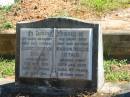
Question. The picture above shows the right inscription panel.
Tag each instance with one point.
(73, 53)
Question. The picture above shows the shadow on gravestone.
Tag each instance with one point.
(58, 57)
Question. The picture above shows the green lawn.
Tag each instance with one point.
(105, 5)
(116, 70)
(7, 67)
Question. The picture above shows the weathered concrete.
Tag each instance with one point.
(6, 81)
(117, 45)
(116, 35)
(7, 44)
(116, 88)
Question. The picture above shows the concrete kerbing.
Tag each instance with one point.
(10, 31)
(6, 81)
(115, 88)
(113, 26)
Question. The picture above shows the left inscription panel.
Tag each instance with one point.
(36, 52)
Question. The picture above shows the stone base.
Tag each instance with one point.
(12, 90)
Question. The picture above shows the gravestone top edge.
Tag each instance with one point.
(56, 19)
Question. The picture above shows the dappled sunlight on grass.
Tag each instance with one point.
(7, 67)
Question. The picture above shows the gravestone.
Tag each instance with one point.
(59, 56)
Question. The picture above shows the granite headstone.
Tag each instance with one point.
(60, 53)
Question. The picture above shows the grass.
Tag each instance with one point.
(7, 8)
(7, 67)
(118, 76)
(4, 23)
(113, 71)
(2, 19)
(102, 6)
(7, 25)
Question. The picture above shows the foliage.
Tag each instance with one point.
(4, 24)
(7, 8)
(116, 75)
(17, 0)
(7, 67)
(104, 5)
(2, 19)
(7, 25)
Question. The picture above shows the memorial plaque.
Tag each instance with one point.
(56, 53)
(74, 53)
(36, 50)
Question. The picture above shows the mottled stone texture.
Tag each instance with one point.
(7, 44)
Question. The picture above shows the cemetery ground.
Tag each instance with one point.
(117, 72)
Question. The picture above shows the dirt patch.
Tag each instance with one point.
(41, 9)
(120, 68)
